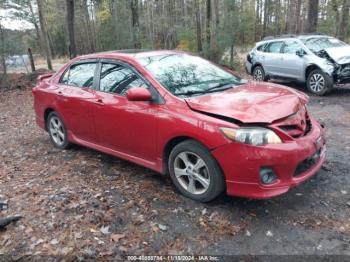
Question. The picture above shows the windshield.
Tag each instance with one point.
(187, 75)
(317, 44)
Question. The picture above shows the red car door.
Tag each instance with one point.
(126, 126)
(75, 99)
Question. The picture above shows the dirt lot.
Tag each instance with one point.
(84, 203)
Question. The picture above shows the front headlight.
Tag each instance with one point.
(328, 67)
(256, 136)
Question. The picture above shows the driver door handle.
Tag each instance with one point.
(99, 101)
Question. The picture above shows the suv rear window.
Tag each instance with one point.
(274, 47)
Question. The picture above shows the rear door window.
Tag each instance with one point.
(274, 47)
(261, 47)
(80, 75)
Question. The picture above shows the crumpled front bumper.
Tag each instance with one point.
(242, 163)
(342, 74)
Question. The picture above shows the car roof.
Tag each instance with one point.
(288, 37)
(129, 54)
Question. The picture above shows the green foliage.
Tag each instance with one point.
(108, 24)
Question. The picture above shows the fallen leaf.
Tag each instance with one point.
(117, 237)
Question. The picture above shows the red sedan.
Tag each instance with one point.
(181, 115)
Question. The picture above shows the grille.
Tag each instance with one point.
(308, 163)
(346, 70)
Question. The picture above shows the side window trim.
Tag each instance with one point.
(157, 98)
(81, 62)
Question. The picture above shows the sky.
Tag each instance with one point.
(7, 21)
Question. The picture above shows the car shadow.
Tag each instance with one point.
(154, 185)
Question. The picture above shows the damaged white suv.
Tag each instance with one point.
(320, 61)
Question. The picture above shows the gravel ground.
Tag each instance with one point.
(80, 202)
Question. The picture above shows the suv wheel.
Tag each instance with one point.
(259, 74)
(57, 131)
(195, 172)
(318, 82)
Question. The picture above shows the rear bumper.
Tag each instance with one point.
(241, 164)
(248, 68)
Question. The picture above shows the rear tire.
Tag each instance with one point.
(319, 83)
(194, 172)
(57, 131)
(259, 74)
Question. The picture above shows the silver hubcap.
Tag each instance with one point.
(258, 75)
(191, 172)
(56, 131)
(317, 83)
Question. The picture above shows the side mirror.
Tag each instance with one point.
(300, 53)
(138, 94)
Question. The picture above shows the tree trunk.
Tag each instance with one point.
(257, 33)
(344, 19)
(208, 22)
(312, 16)
(3, 55)
(89, 31)
(198, 27)
(298, 18)
(44, 35)
(70, 27)
(171, 34)
(135, 23)
(36, 26)
(266, 15)
(278, 17)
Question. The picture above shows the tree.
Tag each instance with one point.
(266, 16)
(343, 27)
(312, 16)
(3, 54)
(208, 22)
(70, 27)
(44, 34)
(135, 23)
(298, 18)
(198, 26)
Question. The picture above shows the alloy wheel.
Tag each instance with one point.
(258, 75)
(317, 83)
(57, 131)
(191, 172)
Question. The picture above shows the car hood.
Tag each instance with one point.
(253, 102)
(341, 54)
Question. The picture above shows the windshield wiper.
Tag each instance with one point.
(218, 87)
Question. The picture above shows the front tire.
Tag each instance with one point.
(194, 172)
(259, 74)
(319, 83)
(57, 131)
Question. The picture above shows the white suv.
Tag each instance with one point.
(319, 60)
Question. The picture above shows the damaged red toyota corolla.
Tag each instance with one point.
(181, 115)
